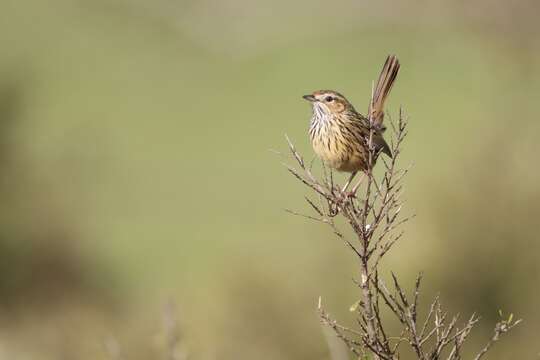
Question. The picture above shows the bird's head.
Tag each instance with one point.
(328, 102)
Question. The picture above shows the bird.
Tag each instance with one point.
(340, 135)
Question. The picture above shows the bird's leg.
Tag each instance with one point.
(349, 181)
(355, 188)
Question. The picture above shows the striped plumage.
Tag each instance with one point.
(339, 133)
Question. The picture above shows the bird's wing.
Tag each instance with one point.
(381, 145)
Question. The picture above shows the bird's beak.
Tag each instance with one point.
(309, 98)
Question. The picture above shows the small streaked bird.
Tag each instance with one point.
(339, 134)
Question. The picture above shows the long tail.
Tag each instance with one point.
(384, 85)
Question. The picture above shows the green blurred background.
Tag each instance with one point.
(135, 169)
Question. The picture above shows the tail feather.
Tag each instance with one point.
(384, 85)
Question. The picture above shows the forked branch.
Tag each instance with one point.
(375, 217)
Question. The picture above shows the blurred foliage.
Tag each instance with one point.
(38, 254)
(134, 141)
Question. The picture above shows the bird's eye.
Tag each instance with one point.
(329, 98)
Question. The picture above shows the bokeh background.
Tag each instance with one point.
(136, 171)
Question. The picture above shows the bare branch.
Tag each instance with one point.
(501, 328)
(375, 217)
